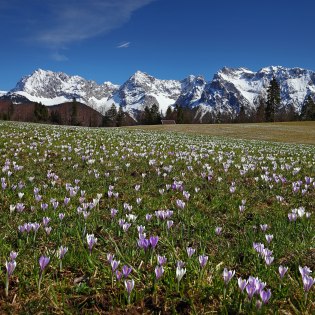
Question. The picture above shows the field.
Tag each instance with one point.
(290, 132)
(143, 221)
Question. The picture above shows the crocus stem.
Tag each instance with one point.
(7, 286)
(60, 265)
(39, 281)
(128, 298)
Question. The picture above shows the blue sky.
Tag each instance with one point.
(108, 40)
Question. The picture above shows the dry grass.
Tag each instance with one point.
(290, 132)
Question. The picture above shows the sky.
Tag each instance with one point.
(109, 40)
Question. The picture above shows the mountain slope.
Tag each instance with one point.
(229, 89)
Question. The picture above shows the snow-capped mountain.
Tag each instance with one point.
(229, 89)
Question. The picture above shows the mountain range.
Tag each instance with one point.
(229, 89)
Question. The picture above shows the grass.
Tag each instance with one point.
(126, 186)
(289, 132)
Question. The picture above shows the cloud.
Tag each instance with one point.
(66, 22)
(123, 45)
(59, 57)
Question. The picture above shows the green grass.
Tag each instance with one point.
(63, 162)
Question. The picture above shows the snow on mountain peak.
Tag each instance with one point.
(230, 89)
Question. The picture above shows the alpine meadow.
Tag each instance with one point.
(157, 157)
(111, 220)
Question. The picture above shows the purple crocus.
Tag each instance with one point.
(228, 275)
(203, 260)
(308, 281)
(118, 275)
(126, 271)
(169, 223)
(13, 255)
(159, 270)
(114, 263)
(269, 237)
(43, 262)
(241, 284)
(218, 230)
(62, 251)
(265, 295)
(305, 271)
(190, 251)
(282, 271)
(129, 285)
(91, 240)
(180, 204)
(161, 260)
(10, 266)
(153, 241)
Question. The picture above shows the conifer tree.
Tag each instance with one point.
(120, 117)
(273, 100)
(308, 109)
(169, 113)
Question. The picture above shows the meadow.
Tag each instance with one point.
(131, 221)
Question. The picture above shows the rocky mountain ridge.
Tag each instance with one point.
(229, 89)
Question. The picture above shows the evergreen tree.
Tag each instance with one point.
(155, 115)
(55, 117)
(179, 114)
(241, 115)
(273, 100)
(308, 109)
(169, 113)
(260, 111)
(147, 116)
(120, 118)
(110, 117)
(40, 112)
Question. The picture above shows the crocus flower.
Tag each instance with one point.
(203, 260)
(126, 271)
(10, 266)
(129, 285)
(305, 271)
(114, 264)
(62, 251)
(190, 251)
(308, 281)
(169, 223)
(265, 295)
(180, 273)
(269, 237)
(218, 230)
(110, 257)
(161, 260)
(43, 262)
(13, 255)
(118, 275)
(159, 270)
(153, 241)
(264, 227)
(241, 284)
(91, 240)
(282, 271)
(180, 204)
(228, 275)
